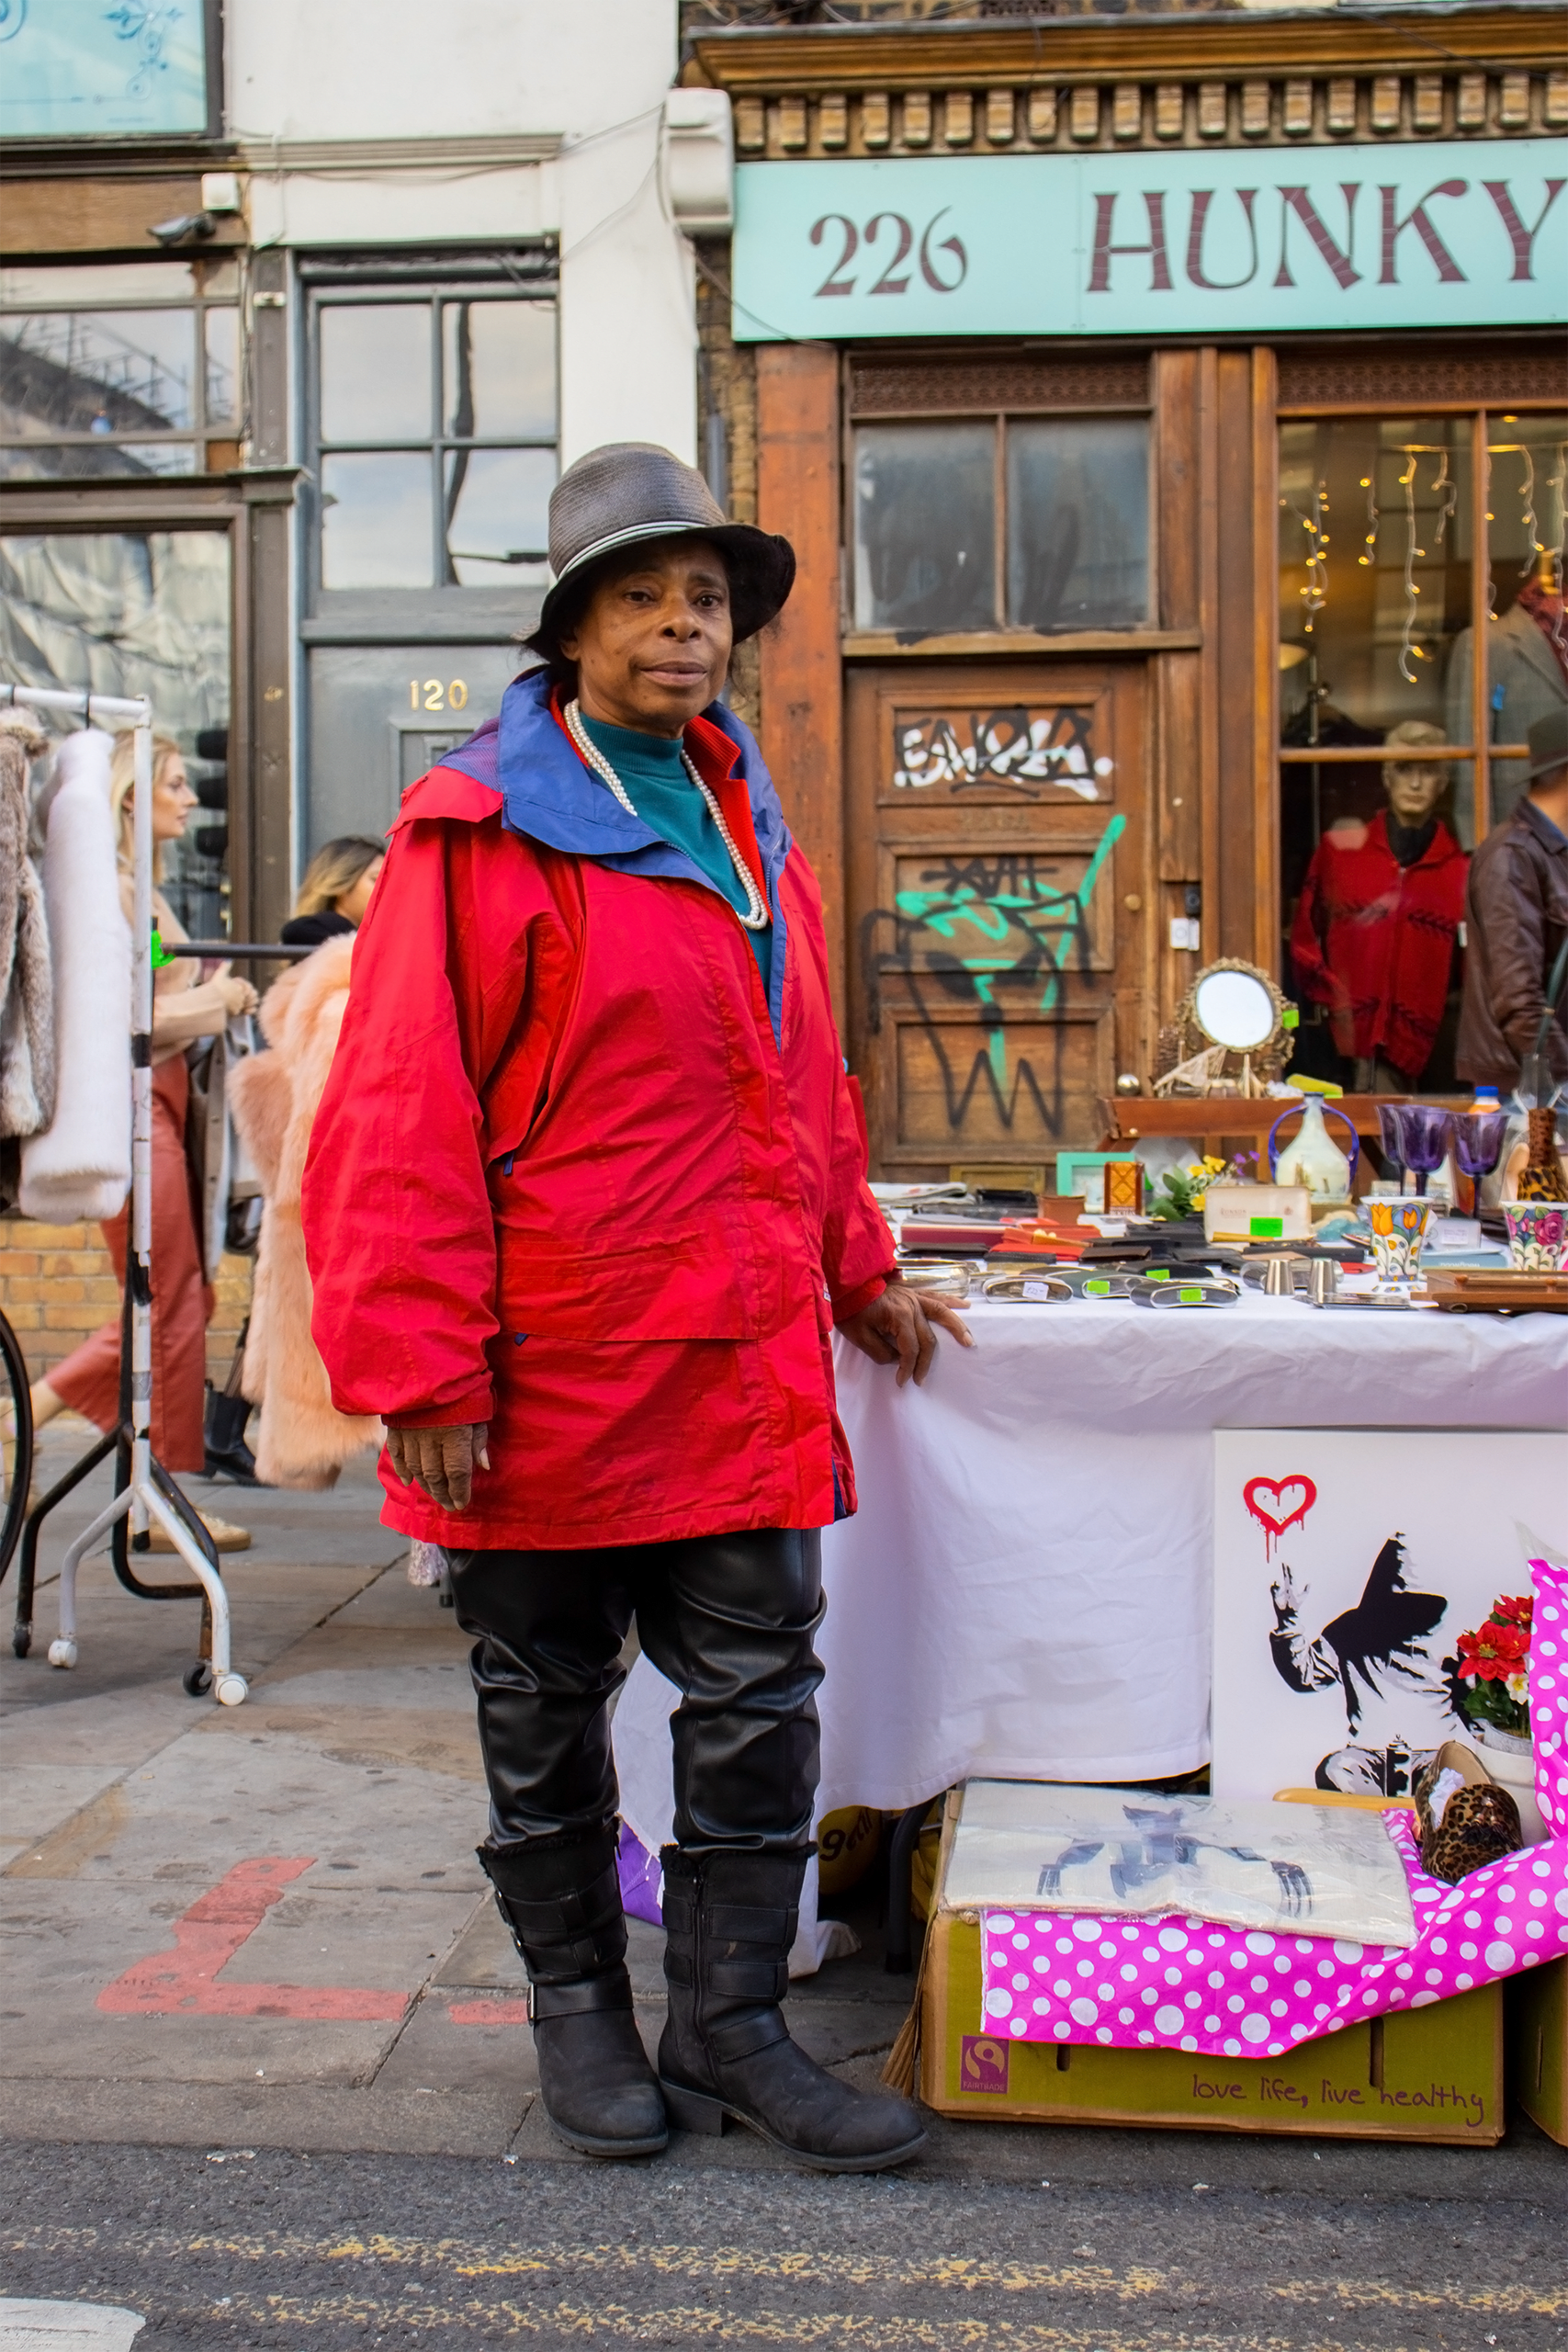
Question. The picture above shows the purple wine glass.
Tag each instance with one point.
(1425, 1135)
(1478, 1141)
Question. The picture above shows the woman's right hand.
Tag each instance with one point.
(237, 995)
(442, 1461)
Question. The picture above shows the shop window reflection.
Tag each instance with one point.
(138, 611)
(99, 366)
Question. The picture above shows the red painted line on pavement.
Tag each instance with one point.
(489, 2012)
(182, 1983)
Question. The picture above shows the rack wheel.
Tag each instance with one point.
(21, 1640)
(63, 1652)
(198, 1680)
(230, 1690)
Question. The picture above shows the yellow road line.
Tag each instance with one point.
(884, 2273)
(676, 2324)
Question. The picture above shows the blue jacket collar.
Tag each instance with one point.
(549, 796)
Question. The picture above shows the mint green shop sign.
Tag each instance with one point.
(1261, 242)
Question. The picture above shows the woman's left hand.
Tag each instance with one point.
(902, 1327)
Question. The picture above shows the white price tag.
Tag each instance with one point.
(1037, 1290)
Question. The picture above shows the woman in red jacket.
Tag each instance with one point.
(584, 1201)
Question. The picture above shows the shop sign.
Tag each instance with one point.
(80, 68)
(1258, 243)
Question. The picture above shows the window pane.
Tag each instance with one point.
(500, 368)
(375, 371)
(1374, 603)
(1375, 647)
(1078, 523)
(498, 516)
(222, 366)
(925, 526)
(83, 460)
(1527, 457)
(132, 281)
(125, 613)
(97, 371)
(376, 520)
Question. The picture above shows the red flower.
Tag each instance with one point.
(1515, 1612)
(1494, 1652)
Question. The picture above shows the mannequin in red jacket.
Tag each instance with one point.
(1377, 923)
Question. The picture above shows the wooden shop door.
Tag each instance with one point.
(1001, 901)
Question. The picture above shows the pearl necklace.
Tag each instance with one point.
(756, 916)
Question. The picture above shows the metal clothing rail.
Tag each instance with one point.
(149, 1496)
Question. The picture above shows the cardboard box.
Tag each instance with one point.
(1538, 2046)
(1434, 2074)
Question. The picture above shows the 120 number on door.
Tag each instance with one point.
(430, 695)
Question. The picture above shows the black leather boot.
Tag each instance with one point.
(730, 1919)
(561, 1898)
(227, 1455)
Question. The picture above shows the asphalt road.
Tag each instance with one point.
(316, 2252)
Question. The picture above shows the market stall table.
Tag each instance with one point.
(1025, 1591)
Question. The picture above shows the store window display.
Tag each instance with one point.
(1405, 544)
(1378, 921)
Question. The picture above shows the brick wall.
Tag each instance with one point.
(57, 1284)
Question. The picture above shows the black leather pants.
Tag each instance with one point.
(727, 1619)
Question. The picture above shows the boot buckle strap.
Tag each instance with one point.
(746, 1980)
(746, 1923)
(588, 1996)
(743, 2037)
(560, 1916)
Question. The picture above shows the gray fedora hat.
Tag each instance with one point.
(1548, 740)
(629, 492)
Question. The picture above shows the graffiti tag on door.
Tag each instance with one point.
(1027, 753)
(994, 933)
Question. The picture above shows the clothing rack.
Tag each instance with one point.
(146, 1495)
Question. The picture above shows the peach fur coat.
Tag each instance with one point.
(303, 1440)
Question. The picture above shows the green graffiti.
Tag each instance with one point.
(1002, 925)
(1054, 922)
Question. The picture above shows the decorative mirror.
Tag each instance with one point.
(1230, 1034)
(1235, 1009)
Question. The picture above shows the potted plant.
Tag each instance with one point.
(1489, 1679)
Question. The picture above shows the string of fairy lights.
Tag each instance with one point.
(1435, 513)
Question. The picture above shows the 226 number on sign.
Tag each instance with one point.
(430, 695)
(890, 230)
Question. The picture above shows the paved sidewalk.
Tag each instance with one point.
(265, 1926)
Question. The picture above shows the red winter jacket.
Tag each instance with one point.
(573, 1176)
(1374, 940)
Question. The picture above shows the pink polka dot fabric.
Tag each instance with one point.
(1184, 1984)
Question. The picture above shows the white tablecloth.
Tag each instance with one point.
(1025, 1590)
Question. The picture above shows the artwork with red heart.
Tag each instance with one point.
(1291, 1498)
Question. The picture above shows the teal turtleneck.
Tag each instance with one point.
(656, 783)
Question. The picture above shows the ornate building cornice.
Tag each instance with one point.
(1073, 83)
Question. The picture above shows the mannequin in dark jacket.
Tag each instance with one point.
(1517, 916)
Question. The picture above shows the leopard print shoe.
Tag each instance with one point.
(1471, 1823)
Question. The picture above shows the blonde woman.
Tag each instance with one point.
(184, 1008)
(335, 892)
